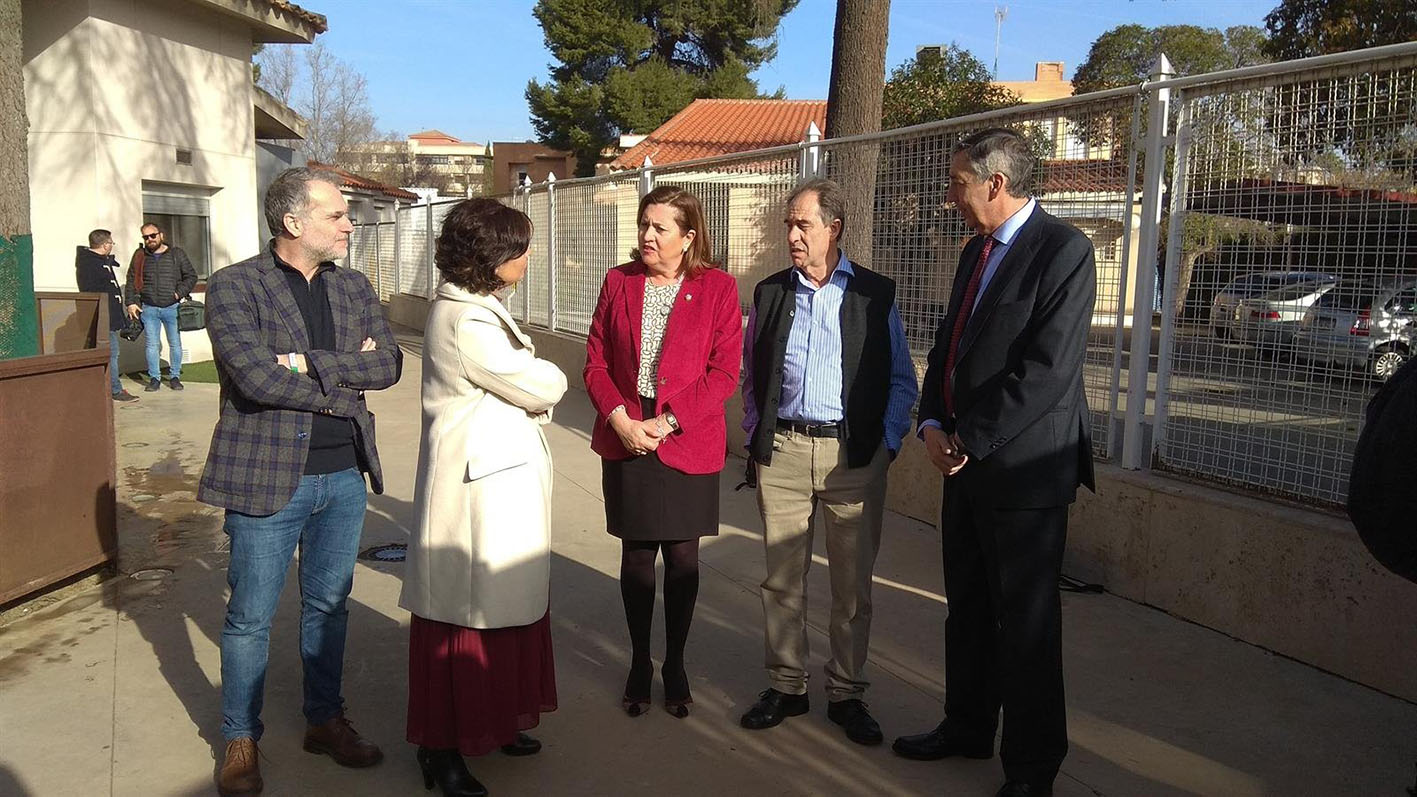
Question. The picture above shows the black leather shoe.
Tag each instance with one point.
(447, 770)
(772, 708)
(1022, 788)
(853, 716)
(524, 745)
(942, 743)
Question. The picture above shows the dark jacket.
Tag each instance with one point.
(166, 281)
(865, 359)
(95, 274)
(262, 436)
(1019, 404)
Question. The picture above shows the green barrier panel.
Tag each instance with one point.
(19, 331)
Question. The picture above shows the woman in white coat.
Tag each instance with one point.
(480, 666)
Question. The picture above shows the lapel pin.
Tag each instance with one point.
(688, 296)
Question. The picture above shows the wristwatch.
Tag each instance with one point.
(671, 420)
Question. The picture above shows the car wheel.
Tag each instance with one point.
(1386, 362)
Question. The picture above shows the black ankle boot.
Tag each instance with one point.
(447, 769)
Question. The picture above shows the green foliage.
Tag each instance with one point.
(930, 87)
(1301, 28)
(1127, 54)
(629, 65)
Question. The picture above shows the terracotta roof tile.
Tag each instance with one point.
(351, 180)
(1080, 176)
(718, 127)
(316, 21)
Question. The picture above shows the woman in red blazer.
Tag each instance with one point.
(662, 357)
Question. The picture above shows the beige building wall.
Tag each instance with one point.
(113, 89)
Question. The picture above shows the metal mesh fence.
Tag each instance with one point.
(1084, 152)
(1290, 196)
(1291, 285)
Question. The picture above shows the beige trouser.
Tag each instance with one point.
(806, 472)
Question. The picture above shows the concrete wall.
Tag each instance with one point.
(113, 88)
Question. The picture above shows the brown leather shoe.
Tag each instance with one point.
(240, 770)
(338, 740)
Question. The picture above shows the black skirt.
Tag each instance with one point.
(646, 500)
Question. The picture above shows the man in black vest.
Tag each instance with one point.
(1004, 418)
(828, 388)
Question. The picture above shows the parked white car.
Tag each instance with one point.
(1365, 324)
(1249, 286)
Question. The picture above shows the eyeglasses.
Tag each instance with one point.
(151, 235)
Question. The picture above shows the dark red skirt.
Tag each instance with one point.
(473, 688)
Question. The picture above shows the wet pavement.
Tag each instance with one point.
(114, 688)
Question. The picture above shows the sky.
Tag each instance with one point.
(461, 66)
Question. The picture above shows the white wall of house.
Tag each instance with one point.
(113, 89)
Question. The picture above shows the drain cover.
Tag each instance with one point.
(393, 552)
(151, 574)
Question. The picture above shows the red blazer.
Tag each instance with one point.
(698, 364)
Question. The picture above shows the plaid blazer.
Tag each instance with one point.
(262, 438)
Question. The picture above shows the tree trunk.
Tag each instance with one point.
(17, 311)
(858, 79)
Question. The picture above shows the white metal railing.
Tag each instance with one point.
(1301, 166)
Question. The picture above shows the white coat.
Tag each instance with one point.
(481, 555)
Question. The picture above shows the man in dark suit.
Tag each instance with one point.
(297, 342)
(1004, 418)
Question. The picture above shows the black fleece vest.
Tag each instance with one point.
(865, 359)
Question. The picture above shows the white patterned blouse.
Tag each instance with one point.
(659, 300)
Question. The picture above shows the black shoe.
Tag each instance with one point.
(1022, 788)
(174, 383)
(524, 745)
(123, 395)
(772, 708)
(636, 699)
(853, 716)
(677, 698)
(154, 385)
(447, 769)
(942, 743)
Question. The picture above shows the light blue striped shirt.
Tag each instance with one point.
(811, 378)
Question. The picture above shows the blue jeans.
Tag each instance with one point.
(325, 517)
(154, 319)
(113, 379)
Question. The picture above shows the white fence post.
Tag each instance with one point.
(811, 153)
(551, 251)
(1135, 455)
(428, 246)
(1169, 298)
(530, 277)
(398, 238)
(646, 179)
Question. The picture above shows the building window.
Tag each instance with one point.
(521, 177)
(184, 215)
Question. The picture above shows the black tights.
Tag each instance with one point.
(681, 589)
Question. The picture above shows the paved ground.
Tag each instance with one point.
(115, 689)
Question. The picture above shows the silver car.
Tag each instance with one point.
(1227, 300)
(1365, 324)
(1272, 319)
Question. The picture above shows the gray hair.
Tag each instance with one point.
(98, 238)
(830, 203)
(290, 193)
(1001, 150)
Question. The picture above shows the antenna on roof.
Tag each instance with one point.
(999, 13)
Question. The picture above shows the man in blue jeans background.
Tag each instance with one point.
(93, 271)
(159, 278)
(297, 342)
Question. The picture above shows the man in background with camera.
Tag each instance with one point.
(93, 270)
(159, 278)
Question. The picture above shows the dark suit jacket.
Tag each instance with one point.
(1019, 404)
(698, 364)
(262, 437)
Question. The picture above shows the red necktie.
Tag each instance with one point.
(966, 309)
